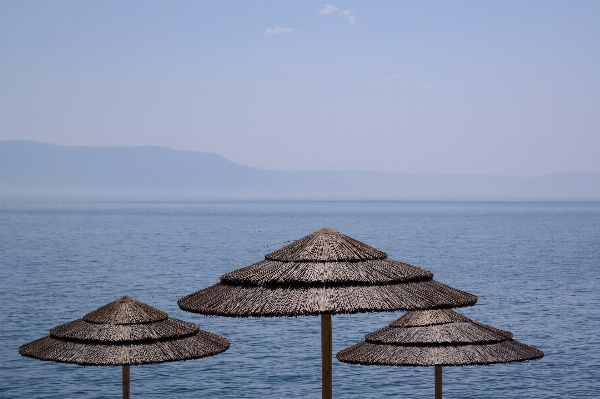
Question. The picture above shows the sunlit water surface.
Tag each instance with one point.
(534, 265)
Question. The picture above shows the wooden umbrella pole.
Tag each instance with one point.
(438, 382)
(125, 381)
(326, 388)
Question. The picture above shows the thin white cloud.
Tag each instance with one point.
(347, 14)
(396, 76)
(374, 82)
(278, 30)
(328, 9)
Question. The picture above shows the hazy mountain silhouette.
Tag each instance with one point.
(32, 168)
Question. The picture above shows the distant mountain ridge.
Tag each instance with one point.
(40, 169)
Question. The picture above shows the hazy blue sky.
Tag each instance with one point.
(504, 87)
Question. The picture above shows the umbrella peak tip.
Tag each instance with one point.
(326, 245)
(326, 230)
(428, 317)
(125, 310)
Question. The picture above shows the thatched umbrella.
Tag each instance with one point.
(123, 333)
(437, 338)
(324, 273)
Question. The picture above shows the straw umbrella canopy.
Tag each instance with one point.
(324, 273)
(123, 333)
(437, 338)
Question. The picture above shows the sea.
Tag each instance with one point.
(534, 265)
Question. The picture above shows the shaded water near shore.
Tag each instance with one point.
(534, 265)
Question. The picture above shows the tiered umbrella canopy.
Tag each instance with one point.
(437, 338)
(324, 273)
(123, 333)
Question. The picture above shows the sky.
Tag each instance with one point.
(423, 87)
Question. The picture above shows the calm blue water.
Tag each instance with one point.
(534, 265)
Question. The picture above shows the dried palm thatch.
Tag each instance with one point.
(324, 273)
(122, 333)
(437, 338)
(226, 299)
(368, 353)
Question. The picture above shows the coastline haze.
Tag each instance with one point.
(39, 169)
